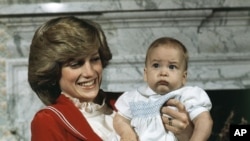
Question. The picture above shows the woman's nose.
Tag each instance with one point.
(87, 69)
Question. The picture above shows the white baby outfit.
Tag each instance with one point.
(142, 107)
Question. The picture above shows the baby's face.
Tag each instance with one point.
(165, 69)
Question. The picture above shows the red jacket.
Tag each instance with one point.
(62, 122)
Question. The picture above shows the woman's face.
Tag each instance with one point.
(82, 78)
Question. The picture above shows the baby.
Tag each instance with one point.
(139, 117)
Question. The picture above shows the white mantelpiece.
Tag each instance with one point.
(217, 40)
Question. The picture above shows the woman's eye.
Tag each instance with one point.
(95, 59)
(75, 64)
(172, 67)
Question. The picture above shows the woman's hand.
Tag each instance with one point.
(177, 120)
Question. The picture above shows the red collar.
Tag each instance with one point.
(72, 119)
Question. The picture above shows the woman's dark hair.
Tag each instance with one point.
(55, 43)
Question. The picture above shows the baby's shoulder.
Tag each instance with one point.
(132, 92)
(193, 89)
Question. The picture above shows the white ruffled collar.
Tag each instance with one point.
(90, 108)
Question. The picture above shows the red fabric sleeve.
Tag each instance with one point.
(45, 128)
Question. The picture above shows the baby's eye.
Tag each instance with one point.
(156, 65)
(172, 67)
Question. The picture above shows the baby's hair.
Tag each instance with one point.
(169, 41)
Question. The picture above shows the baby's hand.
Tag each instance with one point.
(128, 139)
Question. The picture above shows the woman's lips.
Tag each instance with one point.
(87, 83)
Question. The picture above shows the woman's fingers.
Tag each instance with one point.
(175, 109)
(177, 104)
(175, 116)
(174, 125)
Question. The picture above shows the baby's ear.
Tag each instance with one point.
(145, 74)
(184, 80)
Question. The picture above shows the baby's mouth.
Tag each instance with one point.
(163, 83)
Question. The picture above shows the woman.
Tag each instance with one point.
(66, 60)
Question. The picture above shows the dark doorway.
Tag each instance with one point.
(229, 107)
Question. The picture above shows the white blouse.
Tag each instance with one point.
(99, 117)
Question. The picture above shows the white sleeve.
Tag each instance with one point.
(122, 105)
(196, 101)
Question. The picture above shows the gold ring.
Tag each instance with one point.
(170, 121)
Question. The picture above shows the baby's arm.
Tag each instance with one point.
(123, 128)
(203, 124)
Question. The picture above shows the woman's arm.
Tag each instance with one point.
(44, 127)
(181, 126)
